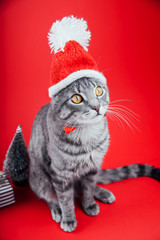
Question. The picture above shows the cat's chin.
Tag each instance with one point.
(94, 120)
(97, 119)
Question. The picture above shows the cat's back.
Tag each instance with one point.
(39, 129)
(41, 115)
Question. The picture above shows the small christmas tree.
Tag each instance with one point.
(16, 163)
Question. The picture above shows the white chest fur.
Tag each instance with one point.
(86, 152)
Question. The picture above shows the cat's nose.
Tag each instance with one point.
(97, 108)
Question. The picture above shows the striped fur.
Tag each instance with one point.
(126, 172)
(58, 160)
(60, 163)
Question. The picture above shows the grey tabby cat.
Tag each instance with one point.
(59, 161)
(62, 164)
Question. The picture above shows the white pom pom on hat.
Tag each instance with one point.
(69, 39)
(69, 28)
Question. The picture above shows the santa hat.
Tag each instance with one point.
(69, 39)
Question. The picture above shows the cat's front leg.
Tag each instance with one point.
(65, 194)
(89, 205)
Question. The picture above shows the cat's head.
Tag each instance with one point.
(84, 101)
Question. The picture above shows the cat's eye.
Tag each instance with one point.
(98, 91)
(77, 98)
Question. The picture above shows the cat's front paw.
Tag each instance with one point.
(104, 195)
(68, 226)
(92, 209)
(56, 214)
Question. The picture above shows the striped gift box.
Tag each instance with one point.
(6, 191)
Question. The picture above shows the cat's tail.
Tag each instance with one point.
(126, 172)
(16, 163)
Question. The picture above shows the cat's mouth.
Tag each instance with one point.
(100, 111)
(98, 116)
(94, 119)
(93, 116)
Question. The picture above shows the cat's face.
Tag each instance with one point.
(85, 101)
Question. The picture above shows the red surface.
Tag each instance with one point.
(125, 43)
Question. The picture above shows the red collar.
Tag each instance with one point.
(68, 129)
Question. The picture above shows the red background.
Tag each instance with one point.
(126, 44)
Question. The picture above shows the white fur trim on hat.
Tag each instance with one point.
(53, 90)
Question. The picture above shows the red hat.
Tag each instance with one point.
(69, 39)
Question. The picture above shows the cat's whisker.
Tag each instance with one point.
(124, 108)
(129, 120)
(120, 100)
(114, 117)
(120, 117)
(125, 114)
(125, 120)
